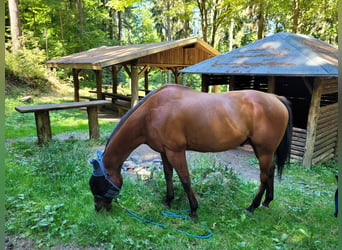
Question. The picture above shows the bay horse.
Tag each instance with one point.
(174, 118)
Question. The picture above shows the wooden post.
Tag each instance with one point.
(43, 126)
(176, 74)
(94, 132)
(232, 83)
(98, 74)
(271, 84)
(312, 122)
(134, 85)
(146, 81)
(205, 87)
(75, 73)
(115, 79)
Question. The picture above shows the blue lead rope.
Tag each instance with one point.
(170, 214)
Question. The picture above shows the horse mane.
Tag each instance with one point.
(132, 110)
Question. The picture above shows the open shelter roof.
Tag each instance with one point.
(164, 55)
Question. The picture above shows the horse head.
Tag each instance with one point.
(102, 187)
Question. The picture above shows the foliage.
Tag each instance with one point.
(27, 65)
(48, 200)
(65, 27)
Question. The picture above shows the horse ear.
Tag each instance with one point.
(97, 171)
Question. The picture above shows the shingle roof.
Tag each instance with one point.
(279, 54)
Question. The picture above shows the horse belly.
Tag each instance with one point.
(213, 139)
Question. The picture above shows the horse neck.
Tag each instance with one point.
(125, 139)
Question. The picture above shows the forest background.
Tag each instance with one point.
(46, 29)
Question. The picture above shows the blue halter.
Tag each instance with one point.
(98, 171)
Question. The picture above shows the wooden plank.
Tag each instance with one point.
(295, 157)
(329, 108)
(328, 141)
(326, 123)
(329, 154)
(299, 130)
(67, 105)
(330, 85)
(325, 133)
(298, 144)
(297, 148)
(327, 116)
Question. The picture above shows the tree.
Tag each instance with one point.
(15, 24)
(172, 18)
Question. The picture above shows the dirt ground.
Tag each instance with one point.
(239, 159)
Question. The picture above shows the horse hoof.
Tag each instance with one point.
(167, 203)
(247, 212)
(265, 206)
(193, 217)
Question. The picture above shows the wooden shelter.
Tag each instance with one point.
(303, 69)
(136, 60)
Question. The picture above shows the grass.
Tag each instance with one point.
(48, 200)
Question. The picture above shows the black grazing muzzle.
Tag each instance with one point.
(102, 187)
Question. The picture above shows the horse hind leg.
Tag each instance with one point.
(266, 182)
(168, 172)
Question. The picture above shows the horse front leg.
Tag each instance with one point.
(266, 183)
(168, 172)
(178, 161)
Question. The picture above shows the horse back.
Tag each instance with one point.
(181, 118)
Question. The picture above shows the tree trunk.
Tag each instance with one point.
(201, 4)
(15, 24)
(79, 5)
(231, 34)
(120, 27)
(261, 20)
(295, 16)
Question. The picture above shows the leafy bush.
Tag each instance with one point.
(27, 65)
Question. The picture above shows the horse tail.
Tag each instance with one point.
(284, 149)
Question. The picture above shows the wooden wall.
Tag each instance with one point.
(298, 144)
(326, 134)
(319, 95)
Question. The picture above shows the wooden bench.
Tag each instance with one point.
(42, 117)
(121, 102)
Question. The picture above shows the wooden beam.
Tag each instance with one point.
(75, 73)
(128, 70)
(312, 122)
(143, 69)
(134, 85)
(176, 74)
